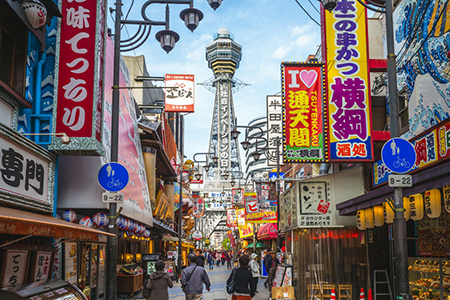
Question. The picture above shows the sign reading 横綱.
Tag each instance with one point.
(302, 89)
(179, 93)
(348, 94)
(274, 129)
(78, 101)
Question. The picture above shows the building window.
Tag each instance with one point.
(13, 49)
(403, 113)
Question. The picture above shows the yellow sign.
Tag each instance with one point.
(245, 229)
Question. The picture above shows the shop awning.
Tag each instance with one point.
(13, 221)
(431, 178)
(167, 238)
(267, 231)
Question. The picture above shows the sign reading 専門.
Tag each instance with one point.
(302, 89)
(348, 103)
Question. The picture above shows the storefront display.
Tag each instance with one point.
(429, 278)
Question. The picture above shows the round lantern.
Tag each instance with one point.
(378, 214)
(36, 13)
(69, 216)
(100, 219)
(388, 213)
(58, 216)
(416, 207)
(127, 224)
(361, 220)
(432, 201)
(370, 218)
(121, 222)
(132, 226)
(406, 208)
(86, 221)
(146, 233)
(130, 233)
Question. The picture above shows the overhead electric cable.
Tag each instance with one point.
(307, 12)
(313, 6)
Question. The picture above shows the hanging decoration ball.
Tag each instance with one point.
(416, 207)
(361, 220)
(69, 216)
(132, 226)
(378, 213)
(100, 219)
(127, 224)
(86, 221)
(121, 222)
(146, 233)
(433, 203)
(36, 13)
(137, 228)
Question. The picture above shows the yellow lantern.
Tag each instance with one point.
(361, 220)
(370, 218)
(433, 203)
(416, 207)
(406, 207)
(378, 214)
(388, 213)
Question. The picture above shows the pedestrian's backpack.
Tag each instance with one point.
(230, 285)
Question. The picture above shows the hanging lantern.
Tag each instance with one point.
(147, 233)
(121, 222)
(406, 208)
(36, 13)
(433, 203)
(361, 220)
(86, 221)
(416, 207)
(70, 216)
(370, 218)
(58, 216)
(100, 219)
(378, 214)
(388, 213)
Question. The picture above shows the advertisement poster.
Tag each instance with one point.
(231, 217)
(231, 238)
(15, 267)
(70, 263)
(251, 203)
(237, 195)
(315, 206)
(302, 90)
(179, 93)
(348, 84)
(245, 229)
(199, 207)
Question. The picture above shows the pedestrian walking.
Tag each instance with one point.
(271, 267)
(218, 256)
(200, 258)
(157, 284)
(244, 286)
(211, 260)
(228, 260)
(254, 267)
(223, 258)
(192, 280)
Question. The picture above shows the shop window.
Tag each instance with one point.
(13, 47)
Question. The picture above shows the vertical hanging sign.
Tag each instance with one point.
(179, 93)
(80, 77)
(274, 129)
(302, 90)
(348, 103)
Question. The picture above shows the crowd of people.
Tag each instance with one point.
(244, 277)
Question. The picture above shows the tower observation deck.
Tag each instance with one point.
(223, 56)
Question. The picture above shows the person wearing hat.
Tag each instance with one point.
(271, 267)
(157, 284)
(254, 267)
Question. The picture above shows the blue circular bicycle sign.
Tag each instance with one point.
(398, 155)
(113, 177)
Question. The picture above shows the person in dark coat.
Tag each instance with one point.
(157, 284)
(200, 258)
(244, 285)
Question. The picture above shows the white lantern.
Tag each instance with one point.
(370, 218)
(361, 219)
(69, 216)
(36, 13)
(86, 221)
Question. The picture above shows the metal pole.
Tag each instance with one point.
(181, 193)
(254, 238)
(111, 264)
(277, 194)
(400, 243)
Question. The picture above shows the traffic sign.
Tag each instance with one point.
(273, 175)
(113, 177)
(108, 197)
(400, 180)
(398, 155)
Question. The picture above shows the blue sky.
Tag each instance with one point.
(269, 31)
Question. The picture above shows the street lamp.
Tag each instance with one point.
(400, 242)
(207, 166)
(328, 4)
(214, 3)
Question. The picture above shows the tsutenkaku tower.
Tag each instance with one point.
(223, 56)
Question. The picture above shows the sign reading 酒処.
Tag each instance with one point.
(348, 95)
(80, 74)
(179, 93)
(302, 90)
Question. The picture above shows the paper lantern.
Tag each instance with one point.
(416, 207)
(388, 213)
(58, 216)
(130, 233)
(146, 233)
(132, 226)
(378, 214)
(121, 222)
(432, 201)
(406, 208)
(36, 13)
(370, 218)
(69, 216)
(100, 219)
(86, 221)
(361, 220)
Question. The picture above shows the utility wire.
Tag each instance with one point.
(128, 13)
(313, 6)
(307, 12)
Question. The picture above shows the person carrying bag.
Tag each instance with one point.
(192, 280)
(243, 283)
(157, 284)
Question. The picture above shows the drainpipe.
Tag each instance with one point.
(38, 95)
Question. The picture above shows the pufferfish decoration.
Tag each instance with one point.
(36, 13)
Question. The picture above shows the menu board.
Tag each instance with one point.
(15, 269)
(169, 267)
(279, 274)
(70, 263)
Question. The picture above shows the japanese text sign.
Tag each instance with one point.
(245, 229)
(179, 93)
(42, 267)
(348, 103)
(231, 217)
(231, 238)
(315, 205)
(251, 203)
(15, 269)
(274, 129)
(199, 207)
(302, 90)
(80, 73)
(237, 194)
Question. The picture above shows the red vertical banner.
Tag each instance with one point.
(302, 90)
(231, 217)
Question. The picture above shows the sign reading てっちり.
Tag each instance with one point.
(348, 103)
(302, 90)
